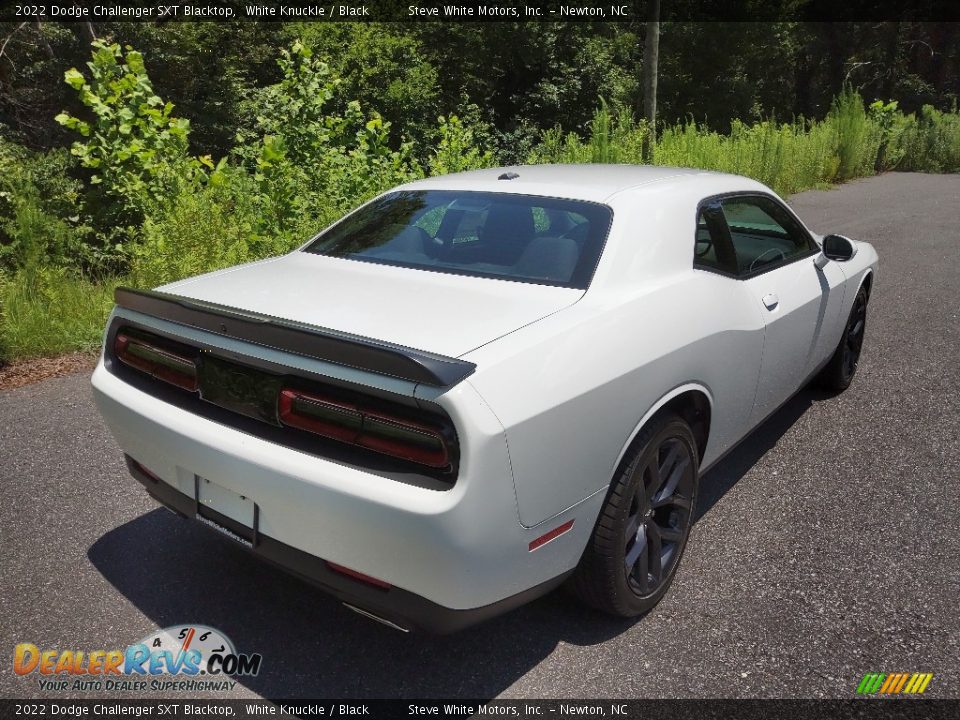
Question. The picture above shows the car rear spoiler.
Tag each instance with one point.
(315, 342)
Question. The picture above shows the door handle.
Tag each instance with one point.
(770, 301)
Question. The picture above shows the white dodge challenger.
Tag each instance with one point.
(475, 387)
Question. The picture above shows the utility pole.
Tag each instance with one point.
(651, 53)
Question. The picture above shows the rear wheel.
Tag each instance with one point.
(839, 372)
(642, 530)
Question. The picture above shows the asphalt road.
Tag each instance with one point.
(827, 545)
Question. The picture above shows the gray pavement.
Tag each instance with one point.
(828, 543)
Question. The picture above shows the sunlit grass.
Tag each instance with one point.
(47, 312)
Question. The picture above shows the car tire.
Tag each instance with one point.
(646, 516)
(839, 371)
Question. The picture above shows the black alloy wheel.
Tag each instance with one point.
(854, 335)
(659, 517)
(643, 526)
(838, 373)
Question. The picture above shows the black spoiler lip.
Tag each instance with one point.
(352, 351)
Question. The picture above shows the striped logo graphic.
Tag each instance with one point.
(894, 683)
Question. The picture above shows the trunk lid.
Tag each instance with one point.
(440, 313)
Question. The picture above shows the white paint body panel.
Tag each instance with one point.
(564, 381)
(801, 329)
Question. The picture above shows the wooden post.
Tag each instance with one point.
(651, 53)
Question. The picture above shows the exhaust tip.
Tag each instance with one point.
(372, 616)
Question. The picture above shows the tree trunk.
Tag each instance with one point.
(651, 53)
(43, 41)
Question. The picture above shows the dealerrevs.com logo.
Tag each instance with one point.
(182, 657)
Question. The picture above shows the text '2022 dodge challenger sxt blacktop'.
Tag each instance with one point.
(475, 387)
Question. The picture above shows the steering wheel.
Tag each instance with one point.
(707, 244)
(768, 251)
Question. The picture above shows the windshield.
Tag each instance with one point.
(501, 235)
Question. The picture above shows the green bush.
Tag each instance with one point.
(37, 237)
(133, 141)
(40, 214)
(310, 160)
(457, 147)
(891, 124)
(858, 136)
(850, 142)
(4, 349)
(203, 229)
(788, 157)
(133, 147)
(615, 137)
(930, 142)
(381, 65)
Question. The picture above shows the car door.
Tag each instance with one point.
(769, 251)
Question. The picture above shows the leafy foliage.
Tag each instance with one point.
(380, 65)
(312, 162)
(207, 228)
(858, 139)
(134, 146)
(131, 202)
(457, 146)
(39, 219)
(930, 141)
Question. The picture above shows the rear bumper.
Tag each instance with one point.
(403, 609)
(452, 557)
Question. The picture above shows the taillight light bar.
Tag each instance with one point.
(157, 361)
(371, 429)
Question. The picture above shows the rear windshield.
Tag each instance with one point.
(501, 235)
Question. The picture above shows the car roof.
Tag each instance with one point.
(594, 182)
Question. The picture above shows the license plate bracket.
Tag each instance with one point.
(229, 512)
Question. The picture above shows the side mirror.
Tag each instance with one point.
(839, 248)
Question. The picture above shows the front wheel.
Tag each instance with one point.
(839, 372)
(642, 529)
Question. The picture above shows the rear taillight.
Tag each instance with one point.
(405, 433)
(371, 429)
(159, 362)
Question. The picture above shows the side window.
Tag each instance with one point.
(762, 233)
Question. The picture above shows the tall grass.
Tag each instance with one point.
(930, 142)
(48, 312)
(850, 142)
